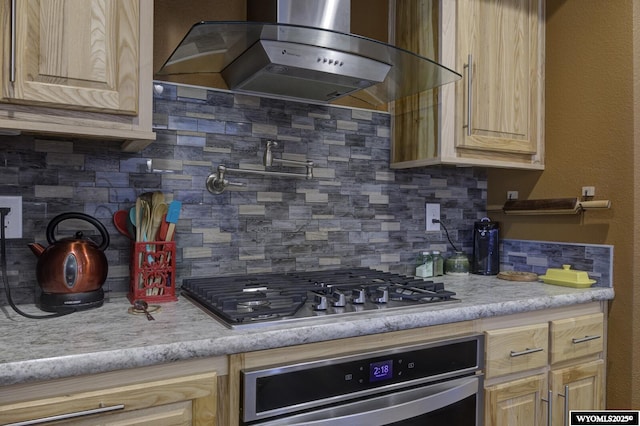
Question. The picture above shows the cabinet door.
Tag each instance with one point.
(505, 105)
(518, 402)
(499, 99)
(79, 54)
(415, 118)
(585, 386)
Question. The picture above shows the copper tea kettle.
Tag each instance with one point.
(71, 265)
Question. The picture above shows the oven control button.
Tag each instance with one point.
(348, 377)
(320, 302)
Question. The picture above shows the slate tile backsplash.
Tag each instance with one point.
(356, 211)
(537, 256)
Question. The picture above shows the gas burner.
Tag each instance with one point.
(253, 306)
(241, 299)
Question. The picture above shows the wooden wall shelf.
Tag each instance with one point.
(550, 206)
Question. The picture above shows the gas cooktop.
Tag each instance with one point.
(239, 300)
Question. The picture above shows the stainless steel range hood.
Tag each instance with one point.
(308, 54)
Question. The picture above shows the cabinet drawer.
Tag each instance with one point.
(576, 337)
(514, 349)
(179, 413)
(189, 398)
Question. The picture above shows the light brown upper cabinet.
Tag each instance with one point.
(494, 115)
(78, 67)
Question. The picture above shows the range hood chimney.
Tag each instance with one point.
(303, 49)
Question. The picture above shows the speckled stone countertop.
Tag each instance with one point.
(109, 338)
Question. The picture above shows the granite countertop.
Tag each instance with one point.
(110, 338)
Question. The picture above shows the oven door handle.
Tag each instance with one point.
(389, 408)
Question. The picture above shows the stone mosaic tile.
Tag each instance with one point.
(356, 211)
(537, 256)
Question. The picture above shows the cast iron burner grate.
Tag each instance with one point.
(237, 299)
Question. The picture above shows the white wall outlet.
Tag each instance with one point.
(588, 191)
(512, 195)
(13, 220)
(432, 212)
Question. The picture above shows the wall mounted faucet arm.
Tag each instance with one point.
(217, 182)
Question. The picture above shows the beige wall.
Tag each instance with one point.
(590, 142)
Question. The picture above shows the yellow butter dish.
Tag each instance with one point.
(567, 277)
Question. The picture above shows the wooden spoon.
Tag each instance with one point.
(157, 198)
(146, 220)
(157, 213)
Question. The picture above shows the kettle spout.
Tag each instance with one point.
(36, 248)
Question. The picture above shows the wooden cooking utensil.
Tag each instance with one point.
(157, 213)
(157, 198)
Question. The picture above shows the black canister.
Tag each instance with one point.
(486, 255)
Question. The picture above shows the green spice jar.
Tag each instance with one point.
(457, 264)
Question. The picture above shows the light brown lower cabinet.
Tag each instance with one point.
(581, 387)
(523, 402)
(518, 402)
(187, 400)
(537, 363)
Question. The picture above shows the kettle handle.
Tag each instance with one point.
(75, 215)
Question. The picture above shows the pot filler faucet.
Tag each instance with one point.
(217, 183)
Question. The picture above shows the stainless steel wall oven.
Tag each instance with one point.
(433, 383)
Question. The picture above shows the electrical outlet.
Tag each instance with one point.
(588, 191)
(432, 212)
(12, 221)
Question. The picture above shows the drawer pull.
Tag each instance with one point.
(67, 416)
(525, 352)
(584, 339)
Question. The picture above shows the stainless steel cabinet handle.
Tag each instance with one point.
(549, 402)
(12, 71)
(469, 67)
(565, 420)
(585, 339)
(68, 416)
(526, 352)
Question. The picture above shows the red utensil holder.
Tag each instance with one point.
(153, 272)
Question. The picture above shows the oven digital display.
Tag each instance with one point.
(382, 370)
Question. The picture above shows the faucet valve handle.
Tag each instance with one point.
(267, 159)
(216, 182)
